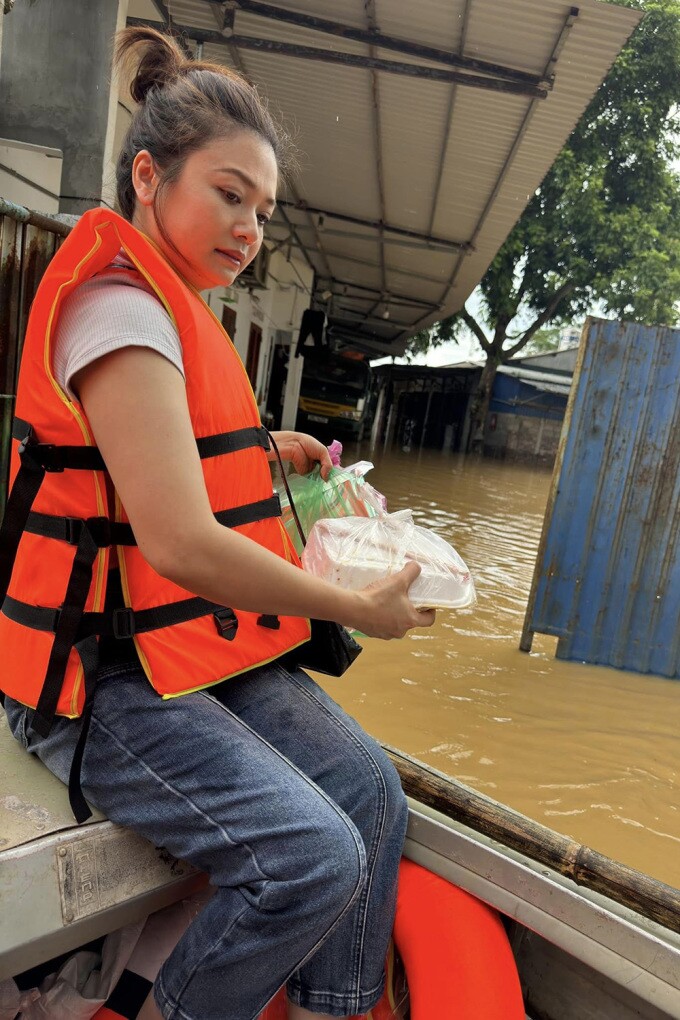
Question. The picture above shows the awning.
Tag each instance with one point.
(547, 382)
(423, 130)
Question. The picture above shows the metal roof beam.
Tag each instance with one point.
(567, 26)
(375, 97)
(362, 262)
(377, 320)
(449, 121)
(224, 16)
(166, 17)
(363, 343)
(396, 298)
(399, 242)
(388, 42)
(299, 244)
(247, 42)
(445, 242)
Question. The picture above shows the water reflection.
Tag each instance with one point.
(587, 750)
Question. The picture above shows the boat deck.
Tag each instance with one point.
(62, 885)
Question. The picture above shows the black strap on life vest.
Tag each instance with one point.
(120, 623)
(88, 650)
(68, 529)
(90, 459)
(70, 624)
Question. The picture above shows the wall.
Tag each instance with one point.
(277, 310)
(54, 77)
(517, 437)
(30, 175)
(524, 423)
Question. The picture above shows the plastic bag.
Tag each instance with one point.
(354, 551)
(344, 493)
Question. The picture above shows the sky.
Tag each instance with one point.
(467, 349)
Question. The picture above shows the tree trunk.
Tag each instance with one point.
(479, 409)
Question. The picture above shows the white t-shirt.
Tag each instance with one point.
(110, 311)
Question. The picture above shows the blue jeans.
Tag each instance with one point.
(293, 811)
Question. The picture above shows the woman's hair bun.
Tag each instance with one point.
(151, 59)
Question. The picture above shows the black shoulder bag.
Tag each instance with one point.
(330, 649)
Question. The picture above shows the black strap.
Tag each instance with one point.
(231, 442)
(68, 529)
(25, 489)
(88, 458)
(260, 510)
(119, 623)
(88, 650)
(288, 492)
(58, 458)
(66, 631)
(129, 995)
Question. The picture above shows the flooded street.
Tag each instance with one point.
(589, 751)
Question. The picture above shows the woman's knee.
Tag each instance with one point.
(324, 864)
(378, 794)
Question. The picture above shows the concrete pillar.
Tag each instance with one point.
(55, 74)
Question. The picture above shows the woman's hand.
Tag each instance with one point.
(304, 451)
(387, 611)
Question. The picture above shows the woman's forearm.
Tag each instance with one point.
(228, 568)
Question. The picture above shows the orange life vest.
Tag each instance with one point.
(58, 512)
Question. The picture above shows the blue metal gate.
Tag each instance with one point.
(607, 576)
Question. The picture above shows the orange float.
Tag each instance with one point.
(454, 948)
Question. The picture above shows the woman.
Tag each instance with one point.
(243, 765)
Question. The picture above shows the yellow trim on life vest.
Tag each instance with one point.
(238, 672)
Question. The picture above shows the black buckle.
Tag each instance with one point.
(267, 620)
(123, 623)
(226, 623)
(74, 526)
(52, 457)
(100, 530)
(43, 455)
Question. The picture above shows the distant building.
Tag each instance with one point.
(418, 406)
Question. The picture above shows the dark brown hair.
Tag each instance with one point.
(183, 105)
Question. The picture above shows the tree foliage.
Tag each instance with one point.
(603, 229)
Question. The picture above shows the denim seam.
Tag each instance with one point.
(177, 793)
(119, 670)
(361, 852)
(324, 1001)
(329, 800)
(382, 810)
(171, 998)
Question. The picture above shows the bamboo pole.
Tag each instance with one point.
(633, 889)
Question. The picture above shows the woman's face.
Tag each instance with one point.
(216, 210)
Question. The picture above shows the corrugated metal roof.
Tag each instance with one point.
(452, 162)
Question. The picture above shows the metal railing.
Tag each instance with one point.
(28, 240)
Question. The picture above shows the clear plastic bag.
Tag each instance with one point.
(352, 552)
(344, 493)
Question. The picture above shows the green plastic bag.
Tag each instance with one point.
(345, 493)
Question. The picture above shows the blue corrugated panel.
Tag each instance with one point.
(513, 396)
(607, 582)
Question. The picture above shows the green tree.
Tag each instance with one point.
(604, 227)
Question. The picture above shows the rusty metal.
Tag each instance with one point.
(567, 26)
(416, 235)
(400, 67)
(28, 240)
(607, 576)
(373, 38)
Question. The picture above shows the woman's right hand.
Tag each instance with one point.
(386, 610)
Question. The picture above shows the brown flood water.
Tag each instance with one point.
(589, 751)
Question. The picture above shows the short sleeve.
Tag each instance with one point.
(104, 315)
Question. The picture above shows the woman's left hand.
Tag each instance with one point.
(304, 451)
